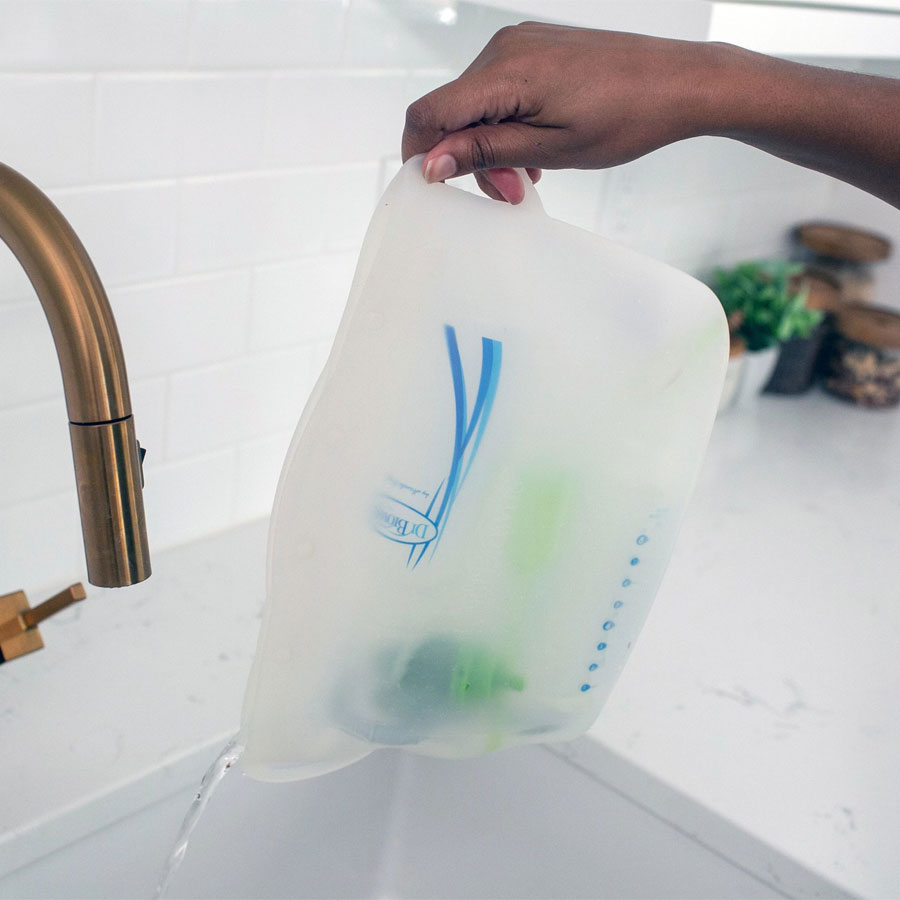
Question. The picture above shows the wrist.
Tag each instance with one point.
(737, 92)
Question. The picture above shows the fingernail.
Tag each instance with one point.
(439, 168)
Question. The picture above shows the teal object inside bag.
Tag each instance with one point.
(484, 489)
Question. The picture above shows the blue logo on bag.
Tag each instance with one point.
(401, 523)
(422, 529)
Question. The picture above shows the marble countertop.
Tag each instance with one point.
(765, 684)
(763, 688)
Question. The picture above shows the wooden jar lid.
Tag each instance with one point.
(872, 325)
(823, 290)
(840, 242)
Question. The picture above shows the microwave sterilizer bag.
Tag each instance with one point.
(484, 489)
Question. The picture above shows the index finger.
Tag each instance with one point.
(469, 100)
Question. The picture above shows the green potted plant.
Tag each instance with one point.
(765, 307)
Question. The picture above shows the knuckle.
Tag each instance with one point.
(482, 152)
(505, 35)
(419, 115)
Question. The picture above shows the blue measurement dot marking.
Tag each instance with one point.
(608, 624)
(634, 560)
(585, 687)
(601, 646)
(592, 666)
(642, 539)
(617, 604)
(626, 582)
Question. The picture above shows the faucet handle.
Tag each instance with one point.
(18, 621)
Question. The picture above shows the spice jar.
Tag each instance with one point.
(847, 254)
(863, 363)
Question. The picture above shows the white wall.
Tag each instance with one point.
(220, 160)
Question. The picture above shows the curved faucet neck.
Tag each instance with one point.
(106, 454)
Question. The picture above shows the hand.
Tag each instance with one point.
(549, 96)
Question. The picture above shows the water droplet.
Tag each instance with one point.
(601, 646)
(642, 539)
(585, 687)
(608, 624)
(592, 666)
(634, 560)
(617, 604)
(626, 582)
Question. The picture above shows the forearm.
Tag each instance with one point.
(546, 96)
(840, 123)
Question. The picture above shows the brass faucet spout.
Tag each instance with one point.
(105, 451)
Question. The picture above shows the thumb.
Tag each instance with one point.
(481, 147)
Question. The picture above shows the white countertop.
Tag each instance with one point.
(766, 683)
(764, 687)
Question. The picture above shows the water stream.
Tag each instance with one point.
(230, 754)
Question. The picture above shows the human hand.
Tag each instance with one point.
(549, 96)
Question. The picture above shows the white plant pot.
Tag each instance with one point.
(758, 369)
(732, 385)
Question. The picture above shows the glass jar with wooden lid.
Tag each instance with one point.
(863, 361)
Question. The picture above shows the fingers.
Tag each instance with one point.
(508, 184)
(470, 99)
(505, 184)
(500, 146)
(477, 97)
(499, 184)
(485, 184)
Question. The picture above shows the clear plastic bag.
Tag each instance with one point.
(484, 489)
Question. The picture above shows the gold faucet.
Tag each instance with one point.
(106, 453)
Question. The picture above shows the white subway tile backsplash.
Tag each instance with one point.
(174, 325)
(35, 452)
(317, 117)
(28, 366)
(344, 200)
(220, 122)
(766, 218)
(128, 231)
(258, 467)
(148, 405)
(41, 544)
(220, 160)
(228, 34)
(700, 231)
(731, 167)
(573, 196)
(45, 127)
(240, 220)
(419, 33)
(14, 284)
(136, 127)
(299, 301)
(320, 351)
(678, 171)
(93, 34)
(219, 222)
(185, 500)
(246, 399)
(423, 81)
(151, 126)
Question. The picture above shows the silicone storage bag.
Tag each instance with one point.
(484, 489)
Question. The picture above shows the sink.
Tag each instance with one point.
(522, 823)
